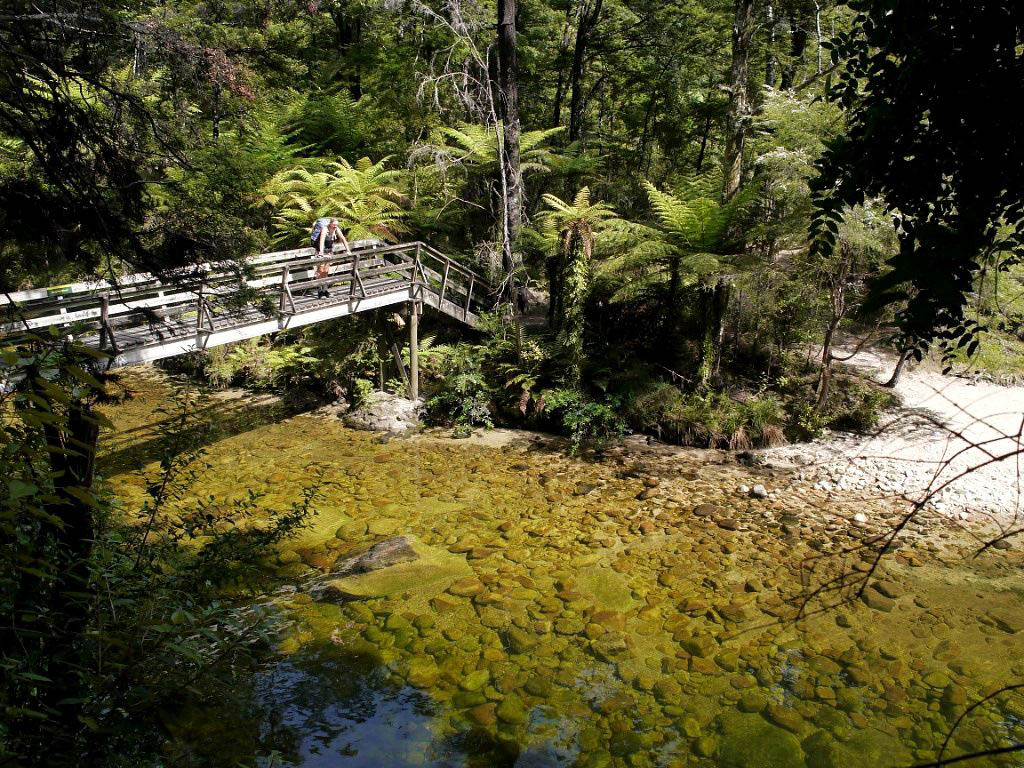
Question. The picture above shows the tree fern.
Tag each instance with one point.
(367, 199)
(476, 147)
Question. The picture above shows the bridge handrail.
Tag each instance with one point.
(202, 287)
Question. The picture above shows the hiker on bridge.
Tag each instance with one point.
(325, 232)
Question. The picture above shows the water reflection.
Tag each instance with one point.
(331, 709)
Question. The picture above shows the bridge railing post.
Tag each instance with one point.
(104, 320)
(469, 296)
(286, 291)
(199, 307)
(444, 281)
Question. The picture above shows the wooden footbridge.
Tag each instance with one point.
(142, 317)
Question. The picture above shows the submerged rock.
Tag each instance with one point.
(749, 741)
(399, 565)
(382, 555)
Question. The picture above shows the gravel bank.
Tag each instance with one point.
(951, 439)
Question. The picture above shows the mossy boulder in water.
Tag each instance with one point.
(749, 741)
(399, 565)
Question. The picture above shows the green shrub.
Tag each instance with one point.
(712, 420)
(582, 418)
(463, 399)
(854, 404)
(257, 364)
(360, 392)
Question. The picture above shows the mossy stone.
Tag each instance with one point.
(749, 741)
(483, 714)
(517, 641)
(396, 621)
(423, 673)
(384, 526)
(359, 612)
(752, 701)
(475, 680)
(288, 556)
(512, 710)
(466, 699)
(706, 746)
(625, 744)
(785, 717)
(539, 686)
(432, 571)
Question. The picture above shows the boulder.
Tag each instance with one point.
(385, 412)
(396, 566)
(382, 555)
(750, 742)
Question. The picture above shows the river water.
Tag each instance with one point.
(626, 609)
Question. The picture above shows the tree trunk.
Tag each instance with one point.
(769, 67)
(508, 83)
(837, 290)
(738, 113)
(577, 105)
(349, 33)
(554, 291)
(798, 23)
(563, 50)
(825, 374)
(575, 284)
(898, 370)
(720, 304)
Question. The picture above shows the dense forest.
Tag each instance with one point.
(683, 205)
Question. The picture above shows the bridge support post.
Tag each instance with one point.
(414, 351)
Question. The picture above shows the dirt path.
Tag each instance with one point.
(950, 437)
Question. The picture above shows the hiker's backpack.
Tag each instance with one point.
(318, 226)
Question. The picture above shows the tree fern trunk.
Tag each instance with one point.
(575, 289)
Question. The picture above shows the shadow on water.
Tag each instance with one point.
(331, 708)
(215, 418)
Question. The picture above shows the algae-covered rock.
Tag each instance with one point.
(700, 645)
(466, 587)
(539, 686)
(475, 680)
(288, 556)
(430, 572)
(748, 741)
(785, 717)
(517, 641)
(706, 746)
(610, 646)
(383, 526)
(606, 588)
(423, 673)
(512, 710)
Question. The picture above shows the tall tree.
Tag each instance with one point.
(588, 17)
(800, 14)
(925, 87)
(508, 83)
(738, 115)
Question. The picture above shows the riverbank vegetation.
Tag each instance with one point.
(684, 206)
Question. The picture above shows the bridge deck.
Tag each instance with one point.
(144, 318)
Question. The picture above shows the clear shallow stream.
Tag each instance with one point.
(626, 610)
